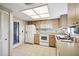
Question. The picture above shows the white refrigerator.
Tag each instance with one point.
(30, 31)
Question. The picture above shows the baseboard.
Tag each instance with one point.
(28, 43)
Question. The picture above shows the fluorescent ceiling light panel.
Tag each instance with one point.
(35, 16)
(44, 15)
(41, 10)
(29, 12)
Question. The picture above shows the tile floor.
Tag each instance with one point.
(34, 50)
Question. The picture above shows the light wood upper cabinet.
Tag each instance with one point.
(37, 24)
(77, 13)
(63, 21)
(73, 14)
(55, 23)
(43, 22)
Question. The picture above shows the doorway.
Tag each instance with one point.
(16, 33)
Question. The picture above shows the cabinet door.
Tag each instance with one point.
(52, 41)
(36, 39)
(37, 24)
(77, 13)
(63, 21)
(71, 14)
(55, 23)
(43, 22)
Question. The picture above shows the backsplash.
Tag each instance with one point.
(48, 30)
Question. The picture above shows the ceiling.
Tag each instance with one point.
(55, 9)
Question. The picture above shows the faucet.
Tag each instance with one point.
(69, 37)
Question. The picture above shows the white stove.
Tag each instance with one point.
(44, 39)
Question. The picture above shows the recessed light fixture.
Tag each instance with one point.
(39, 12)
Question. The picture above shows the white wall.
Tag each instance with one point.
(21, 27)
(11, 33)
(0, 34)
(57, 9)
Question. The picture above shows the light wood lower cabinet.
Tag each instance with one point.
(77, 40)
(36, 39)
(52, 41)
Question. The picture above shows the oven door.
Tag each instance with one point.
(44, 38)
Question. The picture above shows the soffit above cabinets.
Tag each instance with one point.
(57, 9)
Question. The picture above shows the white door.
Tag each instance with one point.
(4, 33)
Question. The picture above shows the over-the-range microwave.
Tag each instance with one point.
(74, 29)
